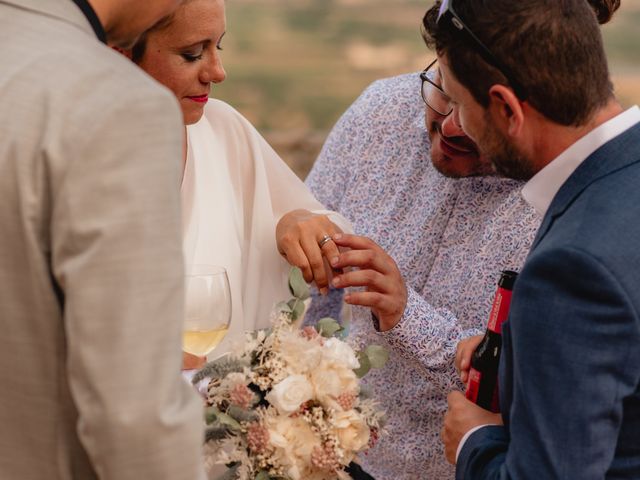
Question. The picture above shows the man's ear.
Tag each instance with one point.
(126, 52)
(506, 108)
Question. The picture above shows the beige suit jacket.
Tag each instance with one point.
(91, 269)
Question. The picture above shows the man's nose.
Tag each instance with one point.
(451, 127)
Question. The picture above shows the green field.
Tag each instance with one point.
(295, 65)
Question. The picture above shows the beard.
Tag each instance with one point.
(460, 165)
(507, 161)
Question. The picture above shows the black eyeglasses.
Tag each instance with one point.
(433, 95)
(448, 14)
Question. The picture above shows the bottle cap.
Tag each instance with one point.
(507, 279)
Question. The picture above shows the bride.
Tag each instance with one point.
(243, 208)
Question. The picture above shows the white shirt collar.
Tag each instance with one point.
(540, 190)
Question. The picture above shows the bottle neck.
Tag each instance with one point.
(499, 310)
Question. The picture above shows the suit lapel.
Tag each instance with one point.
(614, 155)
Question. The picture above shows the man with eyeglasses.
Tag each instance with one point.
(570, 367)
(421, 195)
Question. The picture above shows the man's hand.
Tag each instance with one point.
(385, 291)
(299, 236)
(464, 351)
(462, 416)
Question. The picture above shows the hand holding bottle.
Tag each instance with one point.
(464, 352)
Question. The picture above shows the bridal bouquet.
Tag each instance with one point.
(289, 405)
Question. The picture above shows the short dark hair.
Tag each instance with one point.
(554, 48)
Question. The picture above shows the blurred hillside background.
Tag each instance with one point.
(294, 66)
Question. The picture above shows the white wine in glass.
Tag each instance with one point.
(208, 309)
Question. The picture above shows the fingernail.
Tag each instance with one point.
(337, 236)
(336, 281)
(324, 291)
(334, 261)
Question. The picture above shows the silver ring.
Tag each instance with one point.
(324, 240)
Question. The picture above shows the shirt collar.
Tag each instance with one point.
(93, 19)
(540, 190)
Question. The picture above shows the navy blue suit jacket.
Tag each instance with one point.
(570, 368)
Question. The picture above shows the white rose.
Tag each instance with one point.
(338, 351)
(290, 393)
(332, 379)
(353, 432)
(294, 442)
(299, 354)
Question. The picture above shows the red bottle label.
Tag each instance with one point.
(499, 310)
(473, 385)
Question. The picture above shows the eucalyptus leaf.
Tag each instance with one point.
(365, 365)
(378, 356)
(297, 284)
(228, 421)
(211, 415)
(241, 415)
(297, 308)
(262, 475)
(328, 327)
(283, 307)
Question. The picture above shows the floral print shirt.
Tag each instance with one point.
(450, 239)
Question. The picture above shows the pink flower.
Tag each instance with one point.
(257, 437)
(241, 396)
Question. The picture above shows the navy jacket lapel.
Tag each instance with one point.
(614, 155)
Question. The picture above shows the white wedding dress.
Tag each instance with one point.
(235, 188)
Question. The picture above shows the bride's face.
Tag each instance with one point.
(185, 55)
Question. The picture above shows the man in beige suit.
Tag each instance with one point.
(90, 253)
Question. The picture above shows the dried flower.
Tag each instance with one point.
(288, 404)
(257, 437)
(241, 396)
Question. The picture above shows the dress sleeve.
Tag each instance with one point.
(117, 257)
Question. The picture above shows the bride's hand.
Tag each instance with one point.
(301, 237)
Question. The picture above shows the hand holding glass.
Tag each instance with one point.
(208, 309)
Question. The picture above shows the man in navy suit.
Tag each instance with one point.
(528, 81)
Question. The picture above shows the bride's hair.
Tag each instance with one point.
(139, 48)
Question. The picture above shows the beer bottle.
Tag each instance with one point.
(482, 387)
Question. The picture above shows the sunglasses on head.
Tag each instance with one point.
(447, 15)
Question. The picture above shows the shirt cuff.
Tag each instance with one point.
(466, 436)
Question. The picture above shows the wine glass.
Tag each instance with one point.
(207, 309)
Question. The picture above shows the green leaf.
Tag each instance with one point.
(328, 327)
(218, 418)
(297, 285)
(241, 415)
(228, 421)
(283, 307)
(297, 308)
(211, 415)
(378, 356)
(262, 475)
(365, 365)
